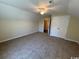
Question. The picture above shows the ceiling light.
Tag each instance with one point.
(42, 13)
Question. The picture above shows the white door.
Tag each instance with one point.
(59, 26)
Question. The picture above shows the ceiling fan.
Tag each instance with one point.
(44, 8)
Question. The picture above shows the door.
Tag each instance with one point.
(47, 25)
(59, 26)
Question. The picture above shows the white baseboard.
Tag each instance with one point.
(72, 40)
(15, 37)
(32, 33)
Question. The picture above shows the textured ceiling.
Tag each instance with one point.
(61, 6)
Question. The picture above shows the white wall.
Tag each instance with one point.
(41, 24)
(59, 25)
(73, 29)
(16, 23)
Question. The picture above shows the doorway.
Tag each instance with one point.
(47, 24)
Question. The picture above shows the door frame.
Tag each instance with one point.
(49, 26)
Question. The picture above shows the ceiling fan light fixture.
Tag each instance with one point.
(42, 13)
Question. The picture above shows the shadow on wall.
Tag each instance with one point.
(73, 29)
(15, 22)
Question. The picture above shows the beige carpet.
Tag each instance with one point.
(38, 46)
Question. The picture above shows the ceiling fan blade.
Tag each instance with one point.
(52, 8)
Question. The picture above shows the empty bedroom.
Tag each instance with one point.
(39, 29)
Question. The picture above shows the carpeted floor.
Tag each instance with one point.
(38, 46)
